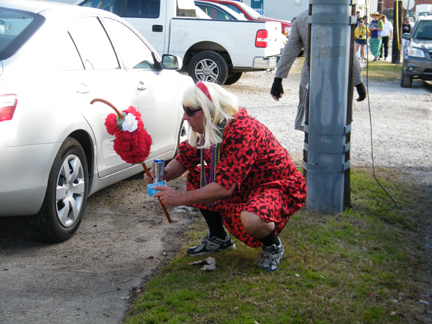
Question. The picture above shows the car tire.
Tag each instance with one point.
(65, 198)
(406, 81)
(182, 135)
(208, 66)
(233, 78)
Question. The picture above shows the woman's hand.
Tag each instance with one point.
(168, 196)
(151, 179)
(148, 179)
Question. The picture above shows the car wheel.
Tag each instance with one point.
(406, 81)
(183, 135)
(233, 78)
(208, 66)
(65, 198)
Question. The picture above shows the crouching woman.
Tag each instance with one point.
(240, 176)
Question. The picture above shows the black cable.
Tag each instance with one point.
(371, 128)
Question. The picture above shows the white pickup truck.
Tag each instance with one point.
(212, 50)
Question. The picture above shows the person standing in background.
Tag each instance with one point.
(358, 18)
(375, 40)
(361, 33)
(365, 20)
(387, 35)
(406, 28)
(298, 40)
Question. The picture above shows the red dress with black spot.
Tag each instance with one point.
(268, 184)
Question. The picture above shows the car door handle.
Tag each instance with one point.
(141, 86)
(82, 88)
(157, 28)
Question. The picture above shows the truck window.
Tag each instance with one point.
(142, 9)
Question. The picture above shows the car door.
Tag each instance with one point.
(158, 98)
(103, 77)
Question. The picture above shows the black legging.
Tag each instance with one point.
(214, 223)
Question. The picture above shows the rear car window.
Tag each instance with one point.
(16, 27)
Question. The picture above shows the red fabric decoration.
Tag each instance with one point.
(133, 147)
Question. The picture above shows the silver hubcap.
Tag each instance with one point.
(207, 70)
(70, 190)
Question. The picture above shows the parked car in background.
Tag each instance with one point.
(218, 12)
(251, 14)
(211, 50)
(417, 61)
(55, 150)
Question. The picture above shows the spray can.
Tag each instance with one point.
(158, 169)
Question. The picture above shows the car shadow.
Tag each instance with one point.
(13, 235)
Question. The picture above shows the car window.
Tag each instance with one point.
(143, 9)
(107, 5)
(232, 7)
(200, 14)
(70, 59)
(214, 13)
(424, 30)
(16, 27)
(250, 11)
(93, 44)
(133, 51)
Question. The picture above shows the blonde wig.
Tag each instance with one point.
(221, 105)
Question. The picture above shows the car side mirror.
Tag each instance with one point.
(171, 62)
(406, 35)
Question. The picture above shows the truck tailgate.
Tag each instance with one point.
(238, 36)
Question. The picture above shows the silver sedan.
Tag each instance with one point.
(54, 148)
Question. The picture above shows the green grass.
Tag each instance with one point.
(362, 266)
(382, 70)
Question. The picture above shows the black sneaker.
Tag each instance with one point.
(211, 244)
(270, 257)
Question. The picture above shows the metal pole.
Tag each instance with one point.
(397, 32)
(327, 130)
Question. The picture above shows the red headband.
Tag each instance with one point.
(204, 89)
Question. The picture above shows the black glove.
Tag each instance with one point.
(361, 90)
(277, 89)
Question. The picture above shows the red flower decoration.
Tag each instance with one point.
(133, 147)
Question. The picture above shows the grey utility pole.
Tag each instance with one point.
(327, 120)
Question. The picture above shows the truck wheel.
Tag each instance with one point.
(208, 66)
(65, 198)
(233, 77)
(406, 81)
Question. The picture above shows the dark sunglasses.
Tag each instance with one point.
(190, 112)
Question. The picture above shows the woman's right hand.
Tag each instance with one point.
(148, 179)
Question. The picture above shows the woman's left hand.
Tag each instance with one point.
(168, 196)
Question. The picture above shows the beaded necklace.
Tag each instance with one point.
(215, 157)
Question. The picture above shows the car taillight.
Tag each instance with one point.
(7, 106)
(261, 38)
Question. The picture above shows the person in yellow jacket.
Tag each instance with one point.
(361, 34)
